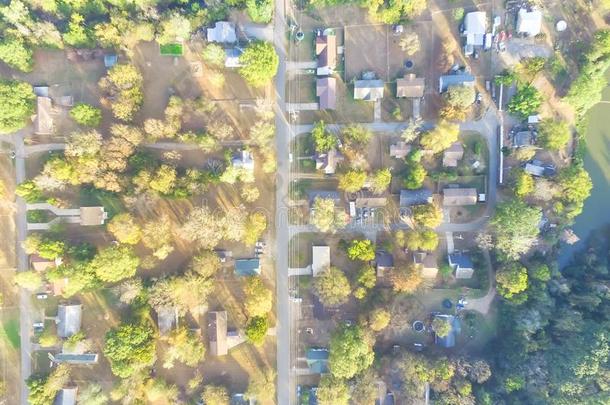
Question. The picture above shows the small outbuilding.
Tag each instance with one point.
(384, 261)
(326, 91)
(458, 79)
(244, 160)
(66, 396)
(92, 216)
(368, 90)
(427, 263)
(320, 259)
(462, 265)
(69, 317)
(456, 197)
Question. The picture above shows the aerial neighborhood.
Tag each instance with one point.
(304, 202)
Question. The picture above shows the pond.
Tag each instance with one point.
(597, 162)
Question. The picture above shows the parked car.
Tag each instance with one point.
(42, 296)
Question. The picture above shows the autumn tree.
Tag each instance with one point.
(511, 280)
(214, 54)
(361, 249)
(427, 215)
(524, 183)
(261, 387)
(129, 348)
(421, 239)
(409, 43)
(379, 319)
(441, 137)
(352, 180)
(124, 84)
(203, 227)
(441, 326)
(125, 229)
(405, 279)
(174, 27)
(255, 226)
(157, 236)
(185, 347)
(356, 136)
(183, 293)
(215, 395)
(380, 180)
(366, 278)
(206, 263)
(351, 351)
(87, 115)
(332, 287)
(332, 391)
(259, 298)
(325, 217)
(415, 175)
(365, 389)
(259, 63)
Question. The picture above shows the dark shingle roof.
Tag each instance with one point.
(415, 197)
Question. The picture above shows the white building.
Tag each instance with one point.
(529, 23)
(320, 259)
(223, 32)
(244, 160)
(475, 27)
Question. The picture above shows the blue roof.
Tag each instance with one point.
(415, 197)
(110, 60)
(317, 360)
(314, 354)
(71, 358)
(449, 340)
(247, 267)
(454, 80)
(461, 261)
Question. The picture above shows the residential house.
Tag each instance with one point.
(317, 360)
(217, 333)
(368, 90)
(37, 263)
(44, 123)
(69, 317)
(326, 91)
(232, 58)
(320, 259)
(66, 396)
(384, 262)
(244, 160)
(449, 340)
(223, 32)
(455, 197)
(539, 169)
(368, 201)
(167, 319)
(529, 23)
(83, 359)
(247, 267)
(92, 216)
(427, 263)
(462, 265)
(456, 79)
(453, 155)
(475, 28)
(327, 162)
(415, 197)
(523, 138)
(324, 194)
(410, 86)
(400, 150)
(326, 52)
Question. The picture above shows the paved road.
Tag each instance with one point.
(284, 383)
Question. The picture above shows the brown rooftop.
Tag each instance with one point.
(217, 333)
(326, 90)
(453, 197)
(326, 51)
(410, 86)
(91, 216)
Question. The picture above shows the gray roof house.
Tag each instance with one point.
(383, 261)
(463, 79)
(368, 90)
(415, 197)
(68, 319)
(167, 318)
(523, 138)
(223, 32)
(462, 265)
(453, 197)
(327, 162)
(66, 396)
(449, 340)
(410, 86)
(82, 359)
(326, 91)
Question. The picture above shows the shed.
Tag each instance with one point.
(368, 90)
(475, 27)
(43, 124)
(232, 58)
(326, 91)
(454, 197)
(110, 60)
(223, 32)
(217, 333)
(327, 162)
(37, 263)
(74, 358)
(461, 79)
(317, 360)
(320, 259)
(529, 23)
(428, 264)
(534, 170)
(415, 197)
(410, 86)
(384, 261)
(523, 138)
(449, 340)
(453, 155)
(462, 265)
(68, 319)
(66, 396)
(167, 319)
(244, 160)
(400, 150)
(91, 216)
(326, 51)
(247, 267)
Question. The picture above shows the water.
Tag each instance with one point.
(596, 211)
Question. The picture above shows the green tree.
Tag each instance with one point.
(332, 391)
(92, 394)
(352, 180)
(361, 249)
(261, 388)
(511, 280)
(44, 388)
(215, 395)
(441, 327)
(125, 229)
(260, 11)
(525, 102)
(529, 68)
(124, 84)
(365, 389)
(48, 338)
(323, 139)
(380, 181)
(524, 183)
(379, 319)
(16, 105)
(214, 54)
(78, 35)
(553, 135)
(516, 227)
(351, 351)
(325, 217)
(416, 174)
(421, 239)
(427, 215)
(184, 346)
(356, 136)
(441, 137)
(174, 28)
(256, 330)
(259, 64)
(575, 184)
(86, 115)
(540, 272)
(30, 280)
(15, 53)
(460, 96)
(129, 349)
(115, 263)
(332, 287)
(259, 299)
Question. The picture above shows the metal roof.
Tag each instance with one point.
(247, 267)
(68, 319)
(66, 396)
(445, 81)
(415, 197)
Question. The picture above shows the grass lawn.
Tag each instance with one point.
(171, 49)
(90, 196)
(10, 332)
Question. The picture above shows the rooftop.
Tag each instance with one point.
(167, 318)
(66, 396)
(326, 91)
(320, 259)
(384, 259)
(223, 32)
(91, 216)
(326, 51)
(368, 90)
(453, 155)
(247, 267)
(324, 194)
(475, 27)
(44, 121)
(74, 358)
(232, 57)
(459, 196)
(449, 340)
(465, 79)
(244, 160)
(327, 162)
(217, 333)
(529, 22)
(68, 319)
(410, 86)
(415, 197)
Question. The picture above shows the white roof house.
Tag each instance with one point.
(223, 32)
(475, 26)
(529, 22)
(244, 160)
(68, 319)
(320, 259)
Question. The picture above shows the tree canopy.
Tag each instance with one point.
(16, 105)
(427, 215)
(332, 391)
(256, 330)
(259, 298)
(130, 348)
(516, 227)
(441, 137)
(526, 101)
(405, 279)
(325, 217)
(553, 134)
(323, 140)
(125, 229)
(87, 115)
(352, 180)
(115, 263)
(361, 249)
(259, 64)
(511, 280)
(332, 287)
(351, 351)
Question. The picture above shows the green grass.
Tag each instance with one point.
(10, 332)
(171, 50)
(90, 196)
